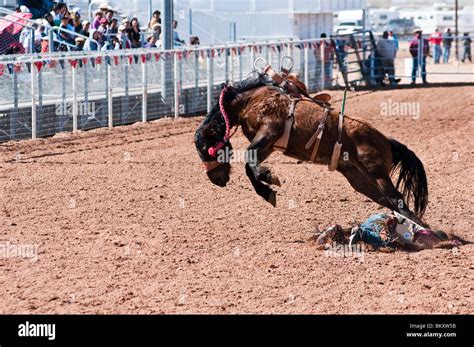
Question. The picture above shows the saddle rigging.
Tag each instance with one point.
(297, 91)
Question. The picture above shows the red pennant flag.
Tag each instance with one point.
(255, 49)
(17, 67)
(52, 63)
(157, 56)
(73, 63)
(143, 56)
(39, 65)
(130, 59)
(84, 61)
(202, 54)
(213, 53)
(234, 51)
(116, 59)
(2, 69)
(179, 55)
(98, 60)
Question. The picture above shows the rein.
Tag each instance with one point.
(213, 150)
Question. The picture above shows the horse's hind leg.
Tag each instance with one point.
(363, 184)
(388, 195)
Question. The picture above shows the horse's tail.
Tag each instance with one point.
(412, 176)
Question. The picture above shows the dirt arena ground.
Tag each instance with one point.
(126, 221)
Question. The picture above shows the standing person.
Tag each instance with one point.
(447, 42)
(467, 48)
(156, 19)
(58, 12)
(176, 40)
(326, 60)
(135, 36)
(392, 36)
(387, 52)
(419, 50)
(436, 38)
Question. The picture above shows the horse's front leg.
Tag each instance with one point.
(258, 150)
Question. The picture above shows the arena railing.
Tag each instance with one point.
(43, 94)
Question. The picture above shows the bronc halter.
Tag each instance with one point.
(213, 150)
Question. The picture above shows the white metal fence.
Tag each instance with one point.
(41, 95)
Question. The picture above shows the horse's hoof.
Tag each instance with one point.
(272, 199)
(275, 181)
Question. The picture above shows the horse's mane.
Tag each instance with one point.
(234, 90)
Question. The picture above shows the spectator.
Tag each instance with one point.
(467, 48)
(96, 22)
(58, 12)
(155, 20)
(76, 23)
(176, 40)
(122, 36)
(126, 24)
(447, 42)
(387, 52)
(109, 15)
(48, 20)
(85, 28)
(26, 38)
(436, 38)
(151, 42)
(156, 31)
(45, 44)
(80, 41)
(324, 57)
(37, 8)
(65, 36)
(194, 41)
(90, 44)
(419, 49)
(392, 36)
(103, 26)
(113, 28)
(134, 33)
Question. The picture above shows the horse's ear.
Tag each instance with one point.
(323, 97)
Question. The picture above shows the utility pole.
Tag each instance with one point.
(456, 32)
(167, 44)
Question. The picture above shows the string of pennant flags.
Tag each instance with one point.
(144, 58)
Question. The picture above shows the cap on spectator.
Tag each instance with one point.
(103, 21)
(24, 9)
(104, 6)
(125, 20)
(77, 11)
(122, 28)
(156, 27)
(80, 39)
(85, 22)
(417, 30)
(98, 12)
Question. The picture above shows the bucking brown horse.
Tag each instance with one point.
(368, 158)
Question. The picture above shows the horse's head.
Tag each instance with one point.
(213, 145)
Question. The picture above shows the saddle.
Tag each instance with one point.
(297, 91)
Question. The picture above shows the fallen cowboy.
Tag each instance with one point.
(386, 232)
